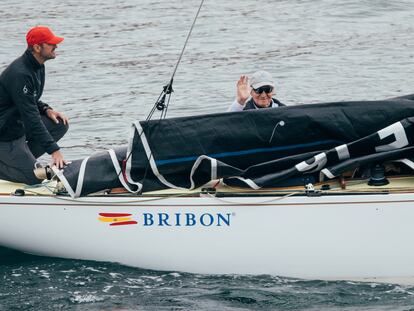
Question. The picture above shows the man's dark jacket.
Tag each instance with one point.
(21, 86)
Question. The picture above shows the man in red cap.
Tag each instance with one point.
(28, 126)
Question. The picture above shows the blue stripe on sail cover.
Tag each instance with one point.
(251, 151)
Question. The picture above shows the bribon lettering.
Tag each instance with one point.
(186, 219)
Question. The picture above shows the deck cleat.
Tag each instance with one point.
(378, 176)
(311, 191)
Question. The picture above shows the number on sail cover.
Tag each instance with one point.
(398, 131)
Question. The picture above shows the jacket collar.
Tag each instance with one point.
(272, 104)
(31, 60)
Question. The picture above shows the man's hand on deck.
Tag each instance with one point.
(58, 160)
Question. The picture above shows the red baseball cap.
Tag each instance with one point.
(42, 34)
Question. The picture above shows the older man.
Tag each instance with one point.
(28, 126)
(256, 94)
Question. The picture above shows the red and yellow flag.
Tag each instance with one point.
(117, 219)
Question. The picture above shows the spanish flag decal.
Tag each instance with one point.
(117, 219)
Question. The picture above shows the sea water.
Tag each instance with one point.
(109, 72)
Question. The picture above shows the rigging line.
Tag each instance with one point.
(155, 106)
(162, 116)
(149, 159)
(115, 203)
(166, 106)
(186, 41)
(248, 204)
(168, 88)
(159, 104)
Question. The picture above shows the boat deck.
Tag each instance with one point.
(398, 184)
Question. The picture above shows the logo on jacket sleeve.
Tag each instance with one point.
(26, 91)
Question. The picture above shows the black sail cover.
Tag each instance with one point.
(256, 148)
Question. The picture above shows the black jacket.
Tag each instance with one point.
(21, 86)
(251, 105)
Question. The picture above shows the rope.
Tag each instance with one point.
(186, 41)
(167, 90)
(255, 203)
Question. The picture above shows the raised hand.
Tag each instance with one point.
(243, 90)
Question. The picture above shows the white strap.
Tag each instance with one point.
(62, 178)
(326, 172)
(119, 172)
(247, 181)
(151, 158)
(129, 154)
(407, 162)
(81, 176)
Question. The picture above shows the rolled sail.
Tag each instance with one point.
(258, 148)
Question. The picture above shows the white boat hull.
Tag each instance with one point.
(326, 237)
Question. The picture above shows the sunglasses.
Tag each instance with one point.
(264, 88)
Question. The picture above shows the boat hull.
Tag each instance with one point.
(326, 237)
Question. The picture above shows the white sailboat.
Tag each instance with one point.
(344, 231)
(358, 233)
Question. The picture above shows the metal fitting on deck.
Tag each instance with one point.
(311, 191)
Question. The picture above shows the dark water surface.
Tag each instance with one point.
(34, 283)
(110, 69)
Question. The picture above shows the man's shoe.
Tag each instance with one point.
(43, 172)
